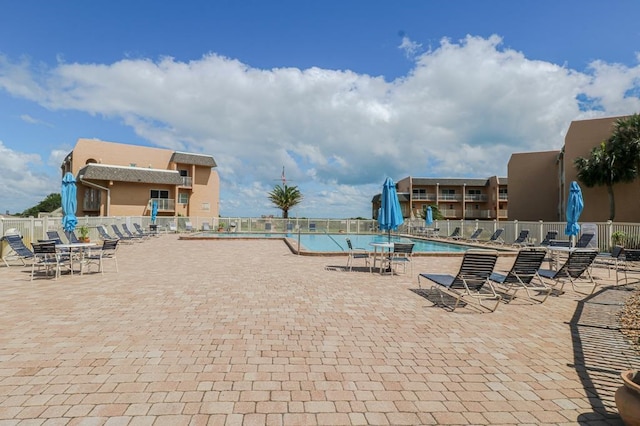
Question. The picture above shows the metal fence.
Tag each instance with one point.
(33, 229)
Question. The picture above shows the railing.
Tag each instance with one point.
(475, 197)
(503, 213)
(503, 197)
(187, 181)
(33, 229)
(424, 197)
(477, 214)
(451, 213)
(164, 204)
(450, 197)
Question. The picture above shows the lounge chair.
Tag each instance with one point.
(584, 240)
(455, 234)
(172, 227)
(104, 235)
(120, 235)
(142, 232)
(575, 270)
(496, 237)
(54, 236)
(401, 255)
(73, 239)
(188, 226)
(524, 275)
(205, 226)
(97, 257)
(18, 250)
(358, 253)
(128, 233)
(615, 260)
(267, 227)
(522, 238)
(551, 235)
(475, 235)
(312, 227)
(472, 280)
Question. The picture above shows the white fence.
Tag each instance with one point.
(33, 229)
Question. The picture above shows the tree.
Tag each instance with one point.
(49, 204)
(598, 170)
(435, 212)
(285, 197)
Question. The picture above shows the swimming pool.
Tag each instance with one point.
(332, 243)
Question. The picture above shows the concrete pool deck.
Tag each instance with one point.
(245, 332)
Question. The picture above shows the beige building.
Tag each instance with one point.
(454, 198)
(539, 181)
(115, 179)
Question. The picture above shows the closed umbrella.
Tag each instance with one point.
(390, 216)
(575, 204)
(69, 202)
(154, 211)
(428, 220)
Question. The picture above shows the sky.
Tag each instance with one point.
(342, 94)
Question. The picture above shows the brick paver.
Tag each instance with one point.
(245, 332)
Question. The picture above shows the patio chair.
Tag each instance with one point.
(401, 255)
(496, 237)
(188, 226)
(357, 253)
(312, 227)
(17, 249)
(475, 235)
(455, 234)
(289, 227)
(45, 256)
(128, 233)
(205, 226)
(471, 281)
(522, 238)
(615, 260)
(267, 226)
(524, 275)
(104, 235)
(73, 239)
(172, 227)
(575, 270)
(120, 235)
(97, 257)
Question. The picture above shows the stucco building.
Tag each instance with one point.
(539, 181)
(115, 179)
(485, 198)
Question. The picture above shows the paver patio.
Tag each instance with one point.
(245, 332)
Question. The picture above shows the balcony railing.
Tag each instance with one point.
(503, 213)
(475, 197)
(187, 181)
(164, 204)
(503, 197)
(450, 213)
(450, 197)
(477, 214)
(424, 197)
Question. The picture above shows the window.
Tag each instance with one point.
(183, 173)
(206, 207)
(159, 193)
(132, 164)
(183, 198)
(448, 191)
(473, 192)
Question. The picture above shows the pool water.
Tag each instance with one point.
(322, 242)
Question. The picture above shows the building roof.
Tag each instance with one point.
(195, 159)
(455, 181)
(96, 171)
(402, 196)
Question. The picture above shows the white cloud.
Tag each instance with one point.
(461, 112)
(22, 186)
(410, 47)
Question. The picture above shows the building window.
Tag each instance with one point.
(132, 164)
(159, 193)
(448, 191)
(473, 192)
(206, 207)
(183, 198)
(183, 173)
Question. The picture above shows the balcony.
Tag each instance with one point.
(503, 214)
(453, 213)
(164, 204)
(424, 197)
(475, 197)
(187, 181)
(503, 197)
(450, 197)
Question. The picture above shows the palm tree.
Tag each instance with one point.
(598, 170)
(285, 197)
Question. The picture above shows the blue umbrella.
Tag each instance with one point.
(429, 217)
(390, 216)
(154, 211)
(575, 204)
(69, 202)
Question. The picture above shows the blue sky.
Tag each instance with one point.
(342, 94)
